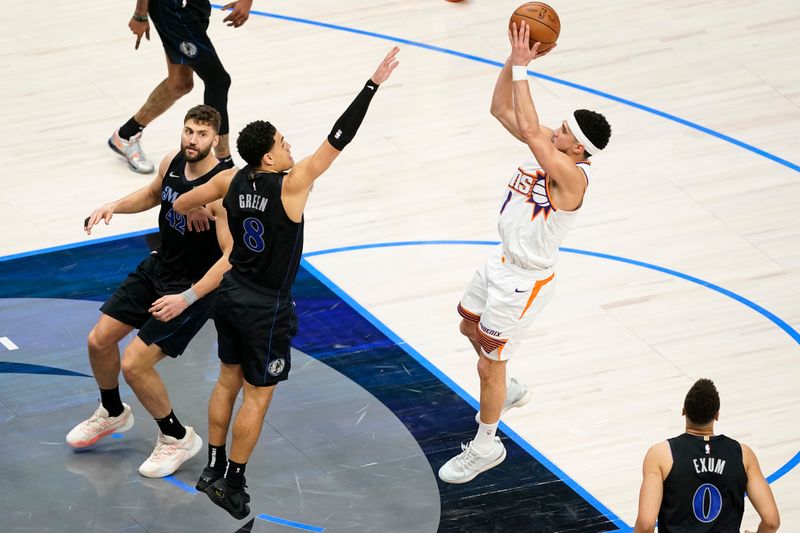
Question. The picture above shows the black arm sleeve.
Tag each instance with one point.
(346, 127)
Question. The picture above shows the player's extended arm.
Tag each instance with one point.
(561, 168)
(302, 176)
(760, 494)
(212, 190)
(652, 490)
(168, 307)
(140, 200)
(502, 107)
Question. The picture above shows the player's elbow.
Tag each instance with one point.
(181, 206)
(772, 521)
(644, 524)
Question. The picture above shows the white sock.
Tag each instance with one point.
(484, 439)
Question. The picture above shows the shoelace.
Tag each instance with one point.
(467, 455)
(163, 449)
(98, 421)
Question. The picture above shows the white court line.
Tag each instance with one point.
(5, 341)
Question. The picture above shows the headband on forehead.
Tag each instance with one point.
(580, 136)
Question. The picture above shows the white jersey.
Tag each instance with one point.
(530, 226)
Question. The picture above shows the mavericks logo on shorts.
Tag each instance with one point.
(276, 367)
(188, 49)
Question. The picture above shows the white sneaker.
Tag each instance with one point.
(100, 425)
(469, 463)
(170, 453)
(520, 395)
(131, 150)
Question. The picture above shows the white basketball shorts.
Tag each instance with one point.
(502, 300)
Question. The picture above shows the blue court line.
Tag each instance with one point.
(78, 244)
(584, 88)
(793, 333)
(181, 485)
(289, 523)
(456, 388)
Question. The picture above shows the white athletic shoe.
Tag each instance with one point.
(131, 149)
(100, 425)
(170, 453)
(519, 395)
(469, 463)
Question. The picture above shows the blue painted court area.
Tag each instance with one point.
(522, 494)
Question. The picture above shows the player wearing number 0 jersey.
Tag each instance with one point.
(539, 204)
(254, 311)
(696, 482)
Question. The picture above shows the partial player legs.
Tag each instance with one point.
(103, 346)
(220, 410)
(138, 367)
(493, 388)
(175, 444)
(229, 492)
(178, 83)
(112, 416)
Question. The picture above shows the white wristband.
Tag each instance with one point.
(189, 295)
(519, 73)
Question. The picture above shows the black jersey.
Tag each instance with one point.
(267, 244)
(190, 253)
(704, 491)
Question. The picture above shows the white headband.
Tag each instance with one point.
(580, 136)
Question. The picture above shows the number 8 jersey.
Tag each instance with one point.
(704, 490)
(267, 244)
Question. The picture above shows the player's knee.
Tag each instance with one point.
(132, 367)
(99, 340)
(181, 87)
(468, 329)
(489, 370)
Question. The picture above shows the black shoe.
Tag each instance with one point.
(208, 477)
(233, 500)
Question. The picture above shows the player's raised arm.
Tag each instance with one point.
(212, 190)
(304, 173)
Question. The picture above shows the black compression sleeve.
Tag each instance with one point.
(346, 127)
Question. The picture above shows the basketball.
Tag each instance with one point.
(543, 21)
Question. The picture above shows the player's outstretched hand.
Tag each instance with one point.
(199, 219)
(386, 67)
(522, 52)
(104, 212)
(168, 307)
(139, 28)
(240, 12)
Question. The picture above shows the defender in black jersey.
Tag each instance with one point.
(182, 26)
(696, 482)
(254, 312)
(168, 298)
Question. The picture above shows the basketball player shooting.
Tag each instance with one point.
(537, 208)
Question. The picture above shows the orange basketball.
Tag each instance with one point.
(543, 21)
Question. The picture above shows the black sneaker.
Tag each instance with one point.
(233, 500)
(208, 477)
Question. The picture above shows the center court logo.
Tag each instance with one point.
(276, 367)
(188, 49)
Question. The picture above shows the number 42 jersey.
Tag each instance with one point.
(267, 244)
(704, 491)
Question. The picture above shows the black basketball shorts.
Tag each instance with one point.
(182, 26)
(131, 301)
(255, 328)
